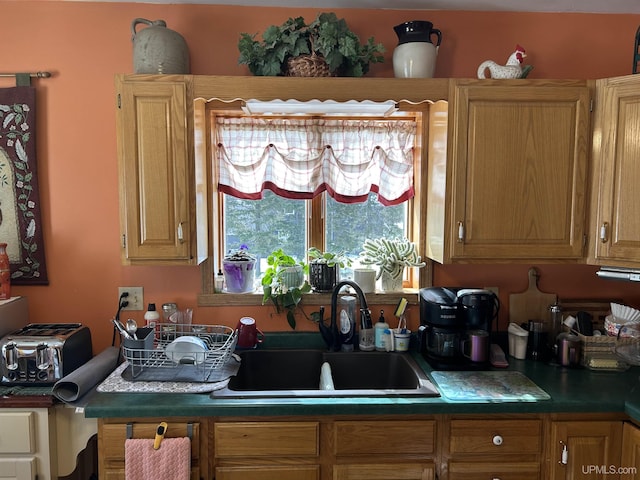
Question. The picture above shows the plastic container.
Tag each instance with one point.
(518, 338)
(380, 337)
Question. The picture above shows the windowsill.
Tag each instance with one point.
(255, 299)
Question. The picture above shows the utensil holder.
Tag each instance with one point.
(139, 349)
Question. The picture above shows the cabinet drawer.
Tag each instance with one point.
(114, 436)
(384, 437)
(17, 434)
(18, 468)
(368, 471)
(257, 439)
(307, 472)
(493, 471)
(495, 436)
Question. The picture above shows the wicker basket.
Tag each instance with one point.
(308, 66)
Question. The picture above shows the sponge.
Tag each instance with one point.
(402, 306)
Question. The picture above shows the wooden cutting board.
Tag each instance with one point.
(532, 304)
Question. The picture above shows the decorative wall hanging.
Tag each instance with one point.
(20, 224)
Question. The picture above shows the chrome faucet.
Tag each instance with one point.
(331, 334)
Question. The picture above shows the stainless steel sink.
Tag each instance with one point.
(296, 373)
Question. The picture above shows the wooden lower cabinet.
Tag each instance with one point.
(505, 448)
(399, 447)
(324, 449)
(113, 433)
(250, 450)
(384, 450)
(630, 462)
(592, 449)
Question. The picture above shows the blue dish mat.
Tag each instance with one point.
(488, 386)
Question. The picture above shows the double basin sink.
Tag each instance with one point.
(300, 373)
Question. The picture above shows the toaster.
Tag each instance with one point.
(41, 354)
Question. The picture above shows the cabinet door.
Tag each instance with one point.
(111, 445)
(616, 173)
(592, 447)
(519, 173)
(630, 463)
(153, 151)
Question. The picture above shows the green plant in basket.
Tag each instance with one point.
(284, 284)
(327, 38)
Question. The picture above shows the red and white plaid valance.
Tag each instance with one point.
(301, 158)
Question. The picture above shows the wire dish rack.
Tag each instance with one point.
(149, 359)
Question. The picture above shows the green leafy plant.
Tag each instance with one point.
(275, 288)
(327, 36)
(330, 258)
(391, 255)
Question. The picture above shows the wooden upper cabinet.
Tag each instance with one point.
(615, 226)
(154, 166)
(516, 173)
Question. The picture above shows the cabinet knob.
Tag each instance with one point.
(604, 232)
(497, 440)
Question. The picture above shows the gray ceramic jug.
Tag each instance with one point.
(158, 49)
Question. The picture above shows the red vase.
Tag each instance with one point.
(5, 273)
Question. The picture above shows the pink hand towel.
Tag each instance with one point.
(172, 461)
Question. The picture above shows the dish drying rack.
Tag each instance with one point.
(148, 359)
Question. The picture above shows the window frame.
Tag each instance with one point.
(226, 93)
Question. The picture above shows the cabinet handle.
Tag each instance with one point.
(564, 456)
(460, 232)
(604, 229)
(497, 440)
(180, 234)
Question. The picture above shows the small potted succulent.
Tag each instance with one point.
(283, 283)
(323, 48)
(324, 269)
(239, 270)
(391, 256)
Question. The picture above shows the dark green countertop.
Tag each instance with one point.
(571, 391)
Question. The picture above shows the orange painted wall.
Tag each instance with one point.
(85, 44)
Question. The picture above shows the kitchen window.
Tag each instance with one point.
(319, 219)
(271, 171)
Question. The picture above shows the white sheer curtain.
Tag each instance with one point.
(300, 158)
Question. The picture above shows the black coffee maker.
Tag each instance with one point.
(456, 325)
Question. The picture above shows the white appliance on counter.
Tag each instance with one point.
(14, 314)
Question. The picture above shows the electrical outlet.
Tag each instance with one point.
(135, 298)
(494, 290)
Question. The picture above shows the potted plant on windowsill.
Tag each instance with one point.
(284, 284)
(238, 268)
(323, 48)
(391, 255)
(324, 269)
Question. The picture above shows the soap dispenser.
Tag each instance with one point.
(380, 337)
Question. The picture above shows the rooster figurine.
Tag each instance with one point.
(513, 68)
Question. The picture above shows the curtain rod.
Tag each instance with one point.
(32, 75)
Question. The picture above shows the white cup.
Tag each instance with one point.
(365, 278)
